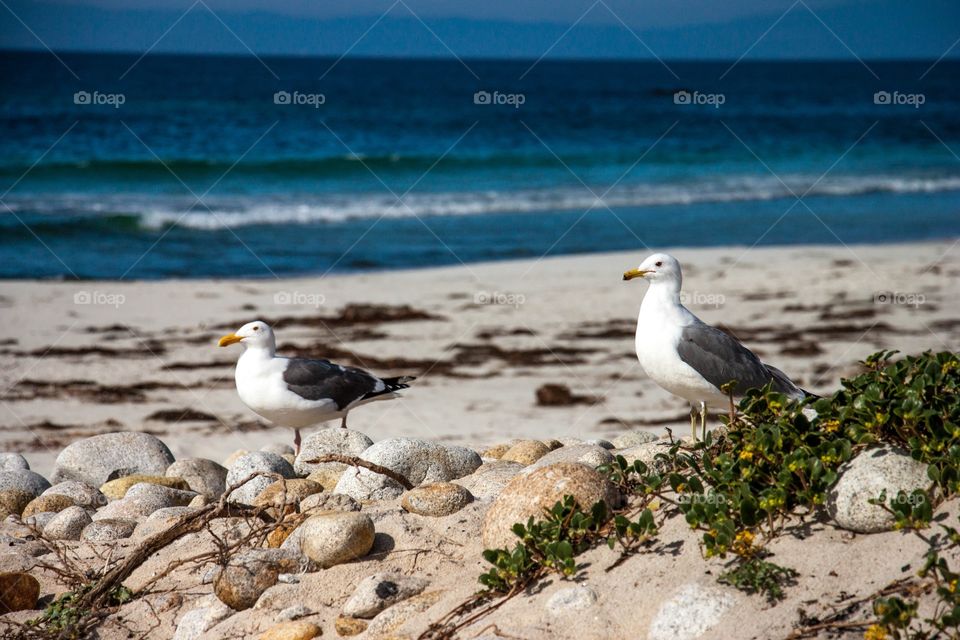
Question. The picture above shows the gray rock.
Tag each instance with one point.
(23, 480)
(418, 461)
(690, 613)
(436, 499)
(462, 461)
(295, 612)
(13, 462)
(277, 448)
(333, 538)
(381, 590)
(82, 494)
(161, 520)
(488, 481)
(108, 530)
(204, 476)
(256, 462)
(207, 613)
(109, 456)
(41, 519)
(142, 499)
(345, 442)
(571, 599)
(874, 470)
(588, 454)
(633, 438)
(68, 524)
(328, 502)
(244, 579)
(600, 442)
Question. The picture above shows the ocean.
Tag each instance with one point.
(121, 166)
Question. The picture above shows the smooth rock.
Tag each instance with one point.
(102, 458)
(161, 520)
(462, 461)
(204, 476)
(864, 478)
(239, 584)
(419, 461)
(690, 613)
(328, 475)
(347, 626)
(13, 501)
(206, 614)
(83, 495)
(336, 537)
(487, 482)
(379, 591)
(286, 492)
(67, 524)
(200, 500)
(571, 599)
(345, 442)
(588, 454)
(600, 442)
(299, 630)
(277, 448)
(294, 612)
(143, 499)
(108, 530)
(13, 462)
(496, 452)
(54, 503)
(40, 519)
(328, 502)
(256, 462)
(233, 457)
(526, 452)
(18, 592)
(633, 438)
(389, 621)
(117, 489)
(531, 494)
(23, 480)
(436, 499)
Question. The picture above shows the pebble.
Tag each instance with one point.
(286, 492)
(204, 476)
(487, 482)
(18, 592)
(256, 462)
(67, 524)
(23, 480)
(496, 452)
(161, 520)
(329, 502)
(633, 438)
(13, 501)
(347, 627)
(345, 442)
(528, 495)
(102, 458)
(328, 476)
(336, 537)
(689, 613)
(864, 478)
(83, 495)
(588, 454)
(294, 612)
(54, 503)
(380, 591)
(108, 530)
(298, 630)
(244, 579)
(13, 462)
(389, 622)
(207, 613)
(143, 499)
(436, 499)
(278, 448)
(40, 520)
(526, 452)
(117, 489)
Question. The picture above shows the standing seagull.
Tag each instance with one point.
(688, 357)
(298, 392)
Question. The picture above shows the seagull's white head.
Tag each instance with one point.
(253, 334)
(660, 267)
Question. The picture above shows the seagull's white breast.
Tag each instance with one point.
(261, 387)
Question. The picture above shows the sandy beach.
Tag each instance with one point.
(97, 356)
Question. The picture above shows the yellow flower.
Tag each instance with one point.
(875, 632)
(743, 543)
(746, 455)
(831, 426)
(953, 586)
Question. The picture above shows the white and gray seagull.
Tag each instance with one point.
(300, 392)
(688, 357)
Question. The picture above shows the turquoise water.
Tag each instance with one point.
(193, 166)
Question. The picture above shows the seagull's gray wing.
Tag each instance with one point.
(720, 359)
(324, 380)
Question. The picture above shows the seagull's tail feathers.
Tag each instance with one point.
(785, 385)
(398, 383)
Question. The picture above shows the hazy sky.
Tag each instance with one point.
(493, 28)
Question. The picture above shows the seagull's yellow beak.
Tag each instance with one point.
(229, 339)
(634, 273)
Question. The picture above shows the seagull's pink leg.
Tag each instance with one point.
(296, 441)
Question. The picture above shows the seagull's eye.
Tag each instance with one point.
(256, 328)
(659, 263)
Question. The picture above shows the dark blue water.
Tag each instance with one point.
(190, 167)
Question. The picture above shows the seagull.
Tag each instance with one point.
(688, 357)
(300, 392)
